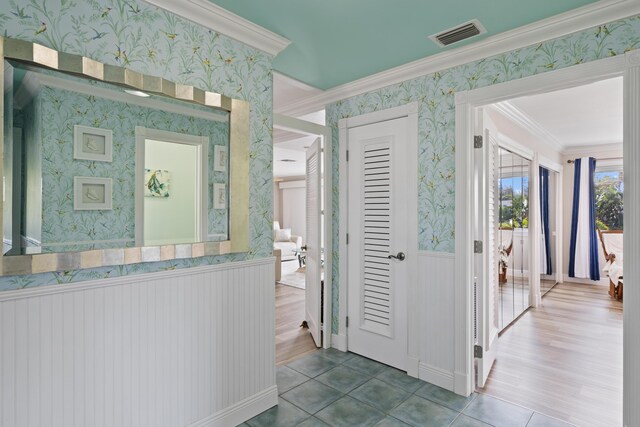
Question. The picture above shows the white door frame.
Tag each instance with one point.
(628, 66)
(202, 142)
(313, 129)
(558, 169)
(411, 112)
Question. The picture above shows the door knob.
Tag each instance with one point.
(399, 256)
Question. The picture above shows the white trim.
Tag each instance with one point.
(631, 303)
(298, 126)
(214, 17)
(33, 80)
(515, 147)
(437, 376)
(291, 184)
(557, 26)
(339, 342)
(202, 208)
(126, 280)
(411, 112)
(604, 280)
(627, 65)
(512, 112)
(302, 126)
(242, 411)
(549, 164)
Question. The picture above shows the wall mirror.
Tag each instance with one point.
(103, 166)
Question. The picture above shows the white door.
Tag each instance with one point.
(313, 271)
(486, 285)
(378, 228)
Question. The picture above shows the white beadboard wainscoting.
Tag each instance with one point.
(189, 347)
(436, 302)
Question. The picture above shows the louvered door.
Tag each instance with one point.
(313, 264)
(377, 283)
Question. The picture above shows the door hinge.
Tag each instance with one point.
(477, 141)
(477, 351)
(347, 238)
(346, 322)
(477, 246)
(347, 155)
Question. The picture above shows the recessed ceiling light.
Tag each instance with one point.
(288, 160)
(137, 93)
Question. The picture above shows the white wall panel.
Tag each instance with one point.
(184, 347)
(436, 295)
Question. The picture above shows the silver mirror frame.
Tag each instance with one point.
(42, 56)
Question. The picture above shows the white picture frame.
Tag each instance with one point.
(219, 196)
(91, 193)
(220, 158)
(94, 144)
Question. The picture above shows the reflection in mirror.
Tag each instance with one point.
(59, 128)
(513, 236)
(548, 182)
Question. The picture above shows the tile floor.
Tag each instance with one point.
(332, 388)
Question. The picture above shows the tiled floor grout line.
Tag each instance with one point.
(384, 375)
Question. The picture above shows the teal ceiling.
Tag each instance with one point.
(338, 41)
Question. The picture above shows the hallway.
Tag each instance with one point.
(564, 358)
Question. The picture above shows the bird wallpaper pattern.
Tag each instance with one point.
(60, 110)
(152, 41)
(435, 94)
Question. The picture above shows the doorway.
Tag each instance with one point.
(378, 210)
(301, 162)
(540, 246)
(172, 199)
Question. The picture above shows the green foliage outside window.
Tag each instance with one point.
(609, 188)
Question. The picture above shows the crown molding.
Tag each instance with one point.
(513, 113)
(212, 16)
(556, 26)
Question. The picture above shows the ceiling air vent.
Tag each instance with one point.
(459, 33)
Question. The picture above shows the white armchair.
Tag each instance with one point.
(288, 243)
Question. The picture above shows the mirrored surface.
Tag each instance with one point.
(71, 176)
(548, 210)
(513, 236)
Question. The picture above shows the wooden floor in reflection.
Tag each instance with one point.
(292, 341)
(564, 358)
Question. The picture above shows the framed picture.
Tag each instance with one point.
(220, 157)
(157, 183)
(219, 196)
(92, 143)
(91, 194)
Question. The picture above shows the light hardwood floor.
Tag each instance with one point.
(292, 341)
(564, 359)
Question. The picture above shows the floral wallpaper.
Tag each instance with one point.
(60, 110)
(149, 40)
(435, 95)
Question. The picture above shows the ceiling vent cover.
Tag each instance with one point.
(459, 33)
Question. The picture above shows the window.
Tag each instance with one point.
(609, 188)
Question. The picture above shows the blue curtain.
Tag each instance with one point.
(594, 268)
(583, 250)
(544, 214)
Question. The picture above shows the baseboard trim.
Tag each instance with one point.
(242, 411)
(461, 384)
(413, 367)
(339, 342)
(437, 376)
